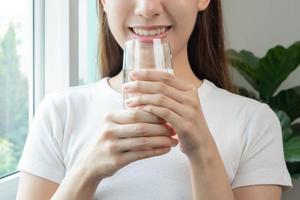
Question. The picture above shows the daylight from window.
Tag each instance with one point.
(16, 61)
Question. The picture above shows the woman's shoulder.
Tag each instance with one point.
(76, 98)
(80, 89)
(233, 105)
(224, 97)
(79, 93)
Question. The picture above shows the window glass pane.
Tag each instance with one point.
(88, 26)
(16, 54)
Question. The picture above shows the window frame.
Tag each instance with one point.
(8, 186)
(55, 61)
(61, 44)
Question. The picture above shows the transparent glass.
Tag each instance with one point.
(153, 55)
(16, 61)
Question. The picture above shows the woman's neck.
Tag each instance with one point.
(183, 70)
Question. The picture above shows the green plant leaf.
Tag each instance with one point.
(294, 169)
(288, 101)
(286, 127)
(295, 176)
(246, 63)
(296, 128)
(292, 149)
(275, 67)
(266, 74)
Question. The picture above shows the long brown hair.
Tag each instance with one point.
(206, 50)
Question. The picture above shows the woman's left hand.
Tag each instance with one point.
(175, 101)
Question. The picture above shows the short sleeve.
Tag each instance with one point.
(42, 155)
(262, 160)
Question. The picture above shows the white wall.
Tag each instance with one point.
(258, 25)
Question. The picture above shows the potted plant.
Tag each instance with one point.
(265, 75)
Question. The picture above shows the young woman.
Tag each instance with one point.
(190, 138)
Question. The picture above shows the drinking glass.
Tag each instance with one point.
(155, 55)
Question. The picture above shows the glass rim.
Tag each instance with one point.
(149, 44)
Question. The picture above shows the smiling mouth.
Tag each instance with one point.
(148, 32)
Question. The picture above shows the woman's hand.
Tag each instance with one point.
(128, 135)
(175, 101)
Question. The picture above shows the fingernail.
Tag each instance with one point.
(174, 143)
(141, 107)
(126, 86)
(136, 73)
(128, 102)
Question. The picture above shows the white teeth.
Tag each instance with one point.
(154, 32)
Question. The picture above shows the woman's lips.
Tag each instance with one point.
(147, 38)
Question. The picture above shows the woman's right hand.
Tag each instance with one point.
(127, 136)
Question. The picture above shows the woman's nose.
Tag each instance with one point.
(148, 8)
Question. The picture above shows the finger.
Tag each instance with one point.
(157, 100)
(156, 88)
(138, 143)
(157, 75)
(132, 156)
(169, 116)
(142, 130)
(130, 116)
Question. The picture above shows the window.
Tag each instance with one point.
(88, 26)
(16, 64)
(46, 53)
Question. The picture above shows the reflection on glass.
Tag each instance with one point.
(15, 74)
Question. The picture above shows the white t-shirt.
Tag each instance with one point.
(247, 133)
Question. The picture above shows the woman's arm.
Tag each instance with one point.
(35, 187)
(258, 192)
(76, 186)
(127, 136)
(210, 181)
(209, 178)
(178, 103)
